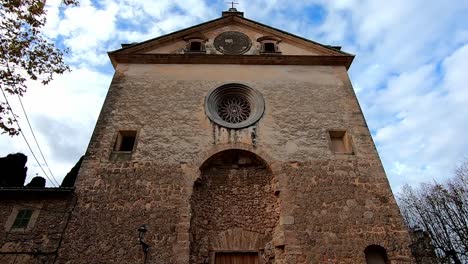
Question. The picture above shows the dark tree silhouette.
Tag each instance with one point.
(70, 178)
(37, 182)
(13, 170)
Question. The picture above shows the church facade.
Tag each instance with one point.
(232, 142)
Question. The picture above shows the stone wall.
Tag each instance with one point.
(165, 103)
(334, 209)
(40, 241)
(115, 202)
(332, 205)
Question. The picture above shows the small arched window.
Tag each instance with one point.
(269, 45)
(195, 44)
(376, 255)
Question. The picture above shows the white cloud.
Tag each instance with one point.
(456, 78)
(334, 28)
(427, 137)
(63, 115)
(90, 30)
(414, 105)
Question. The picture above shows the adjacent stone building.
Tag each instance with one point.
(232, 142)
(34, 221)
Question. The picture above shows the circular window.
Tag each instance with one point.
(232, 43)
(234, 105)
(234, 109)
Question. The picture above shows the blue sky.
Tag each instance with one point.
(410, 72)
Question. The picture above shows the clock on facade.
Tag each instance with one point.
(232, 43)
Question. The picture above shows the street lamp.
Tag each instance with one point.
(141, 240)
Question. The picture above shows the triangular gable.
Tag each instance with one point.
(145, 46)
(150, 44)
(166, 44)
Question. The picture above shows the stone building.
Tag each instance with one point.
(231, 142)
(33, 222)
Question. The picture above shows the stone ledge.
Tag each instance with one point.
(328, 60)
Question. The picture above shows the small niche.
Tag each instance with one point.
(340, 142)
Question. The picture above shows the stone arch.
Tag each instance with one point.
(233, 205)
(376, 254)
(260, 152)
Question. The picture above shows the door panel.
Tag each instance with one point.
(236, 258)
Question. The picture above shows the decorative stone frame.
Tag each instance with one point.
(14, 213)
(195, 38)
(192, 173)
(217, 94)
(238, 240)
(234, 35)
(269, 40)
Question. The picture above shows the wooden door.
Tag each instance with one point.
(236, 258)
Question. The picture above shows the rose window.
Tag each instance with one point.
(234, 109)
(234, 105)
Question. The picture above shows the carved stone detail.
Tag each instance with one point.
(234, 105)
(232, 43)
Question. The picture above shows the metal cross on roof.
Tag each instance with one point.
(232, 4)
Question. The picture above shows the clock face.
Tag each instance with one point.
(232, 43)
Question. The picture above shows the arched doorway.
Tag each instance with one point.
(234, 210)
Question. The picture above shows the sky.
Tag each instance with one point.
(410, 72)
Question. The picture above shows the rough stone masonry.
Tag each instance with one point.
(331, 206)
(303, 183)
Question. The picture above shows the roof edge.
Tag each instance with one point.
(169, 35)
(142, 45)
(35, 193)
(328, 47)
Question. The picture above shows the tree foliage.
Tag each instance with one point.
(25, 53)
(442, 211)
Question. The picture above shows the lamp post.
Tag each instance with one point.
(141, 240)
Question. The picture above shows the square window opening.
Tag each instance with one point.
(125, 141)
(22, 218)
(340, 142)
(195, 46)
(269, 47)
